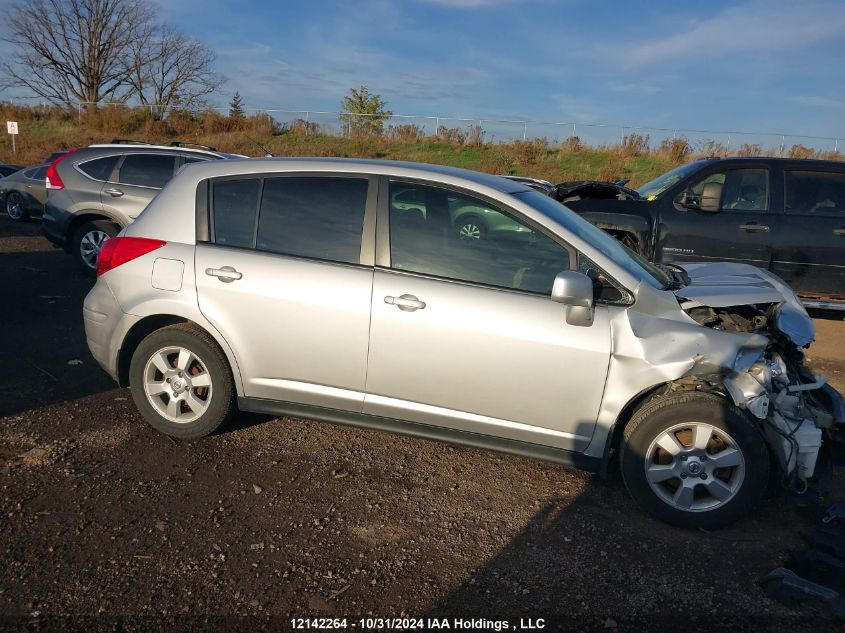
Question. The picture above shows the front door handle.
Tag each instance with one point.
(406, 303)
(226, 274)
(114, 193)
(753, 227)
(839, 232)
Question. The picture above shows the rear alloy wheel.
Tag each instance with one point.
(15, 206)
(88, 240)
(694, 460)
(181, 382)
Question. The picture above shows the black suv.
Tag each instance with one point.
(784, 215)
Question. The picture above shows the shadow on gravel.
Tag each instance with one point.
(597, 563)
(827, 315)
(42, 340)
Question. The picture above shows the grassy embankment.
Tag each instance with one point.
(44, 130)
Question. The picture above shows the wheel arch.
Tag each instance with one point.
(614, 436)
(90, 216)
(149, 324)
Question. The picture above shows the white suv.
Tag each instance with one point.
(298, 287)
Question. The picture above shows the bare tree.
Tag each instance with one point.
(69, 51)
(171, 69)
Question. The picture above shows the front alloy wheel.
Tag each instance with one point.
(694, 460)
(694, 467)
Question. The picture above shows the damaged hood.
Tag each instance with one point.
(724, 284)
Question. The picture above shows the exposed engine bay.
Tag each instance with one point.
(795, 407)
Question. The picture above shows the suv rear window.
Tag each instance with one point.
(815, 192)
(99, 168)
(147, 170)
(318, 217)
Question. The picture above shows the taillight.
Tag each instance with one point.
(53, 180)
(119, 250)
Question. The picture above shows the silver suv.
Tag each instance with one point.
(94, 192)
(305, 287)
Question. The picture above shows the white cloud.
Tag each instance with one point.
(759, 26)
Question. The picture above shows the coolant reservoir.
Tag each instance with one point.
(807, 436)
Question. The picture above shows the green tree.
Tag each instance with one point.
(364, 112)
(236, 108)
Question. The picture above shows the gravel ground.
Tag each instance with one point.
(108, 525)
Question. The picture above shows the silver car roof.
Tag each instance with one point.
(200, 171)
(136, 147)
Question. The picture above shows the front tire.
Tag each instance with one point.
(694, 460)
(181, 382)
(87, 242)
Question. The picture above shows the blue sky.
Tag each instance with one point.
(757, 65)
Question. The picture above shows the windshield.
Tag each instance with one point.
(598, 239)
(654, 188)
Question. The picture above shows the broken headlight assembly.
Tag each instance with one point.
(791, 420)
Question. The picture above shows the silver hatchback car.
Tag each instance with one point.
(305, 287)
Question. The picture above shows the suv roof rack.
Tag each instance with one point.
(189, 143)
(127, 141)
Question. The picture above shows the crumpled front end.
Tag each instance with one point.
(795, 407)
(736, 330)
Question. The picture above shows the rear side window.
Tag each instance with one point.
(99, 168)
(193, 159)
(40, 173)
(815, 192)
(147, 170)
(317, 217)
(235, 203)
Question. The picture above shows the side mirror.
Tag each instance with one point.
(575, 291)
(711, 197)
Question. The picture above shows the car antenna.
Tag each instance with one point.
(267, 152)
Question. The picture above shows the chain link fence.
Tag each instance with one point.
(496, 130)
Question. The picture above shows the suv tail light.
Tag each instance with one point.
(53, 180)
(119, 250)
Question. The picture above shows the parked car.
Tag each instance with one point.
(8, 170)
(23, 194)
(296, 287)
(94, 192)
(543, 186)
(784, 215)
(468, 218)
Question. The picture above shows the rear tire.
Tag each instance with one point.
(87, 242)
(694, 460)
(15, 206)
(181, 382)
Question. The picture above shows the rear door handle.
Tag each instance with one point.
(839, 232)
(114, 193)
(226, 274)
(753, 227)
(406, 303)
